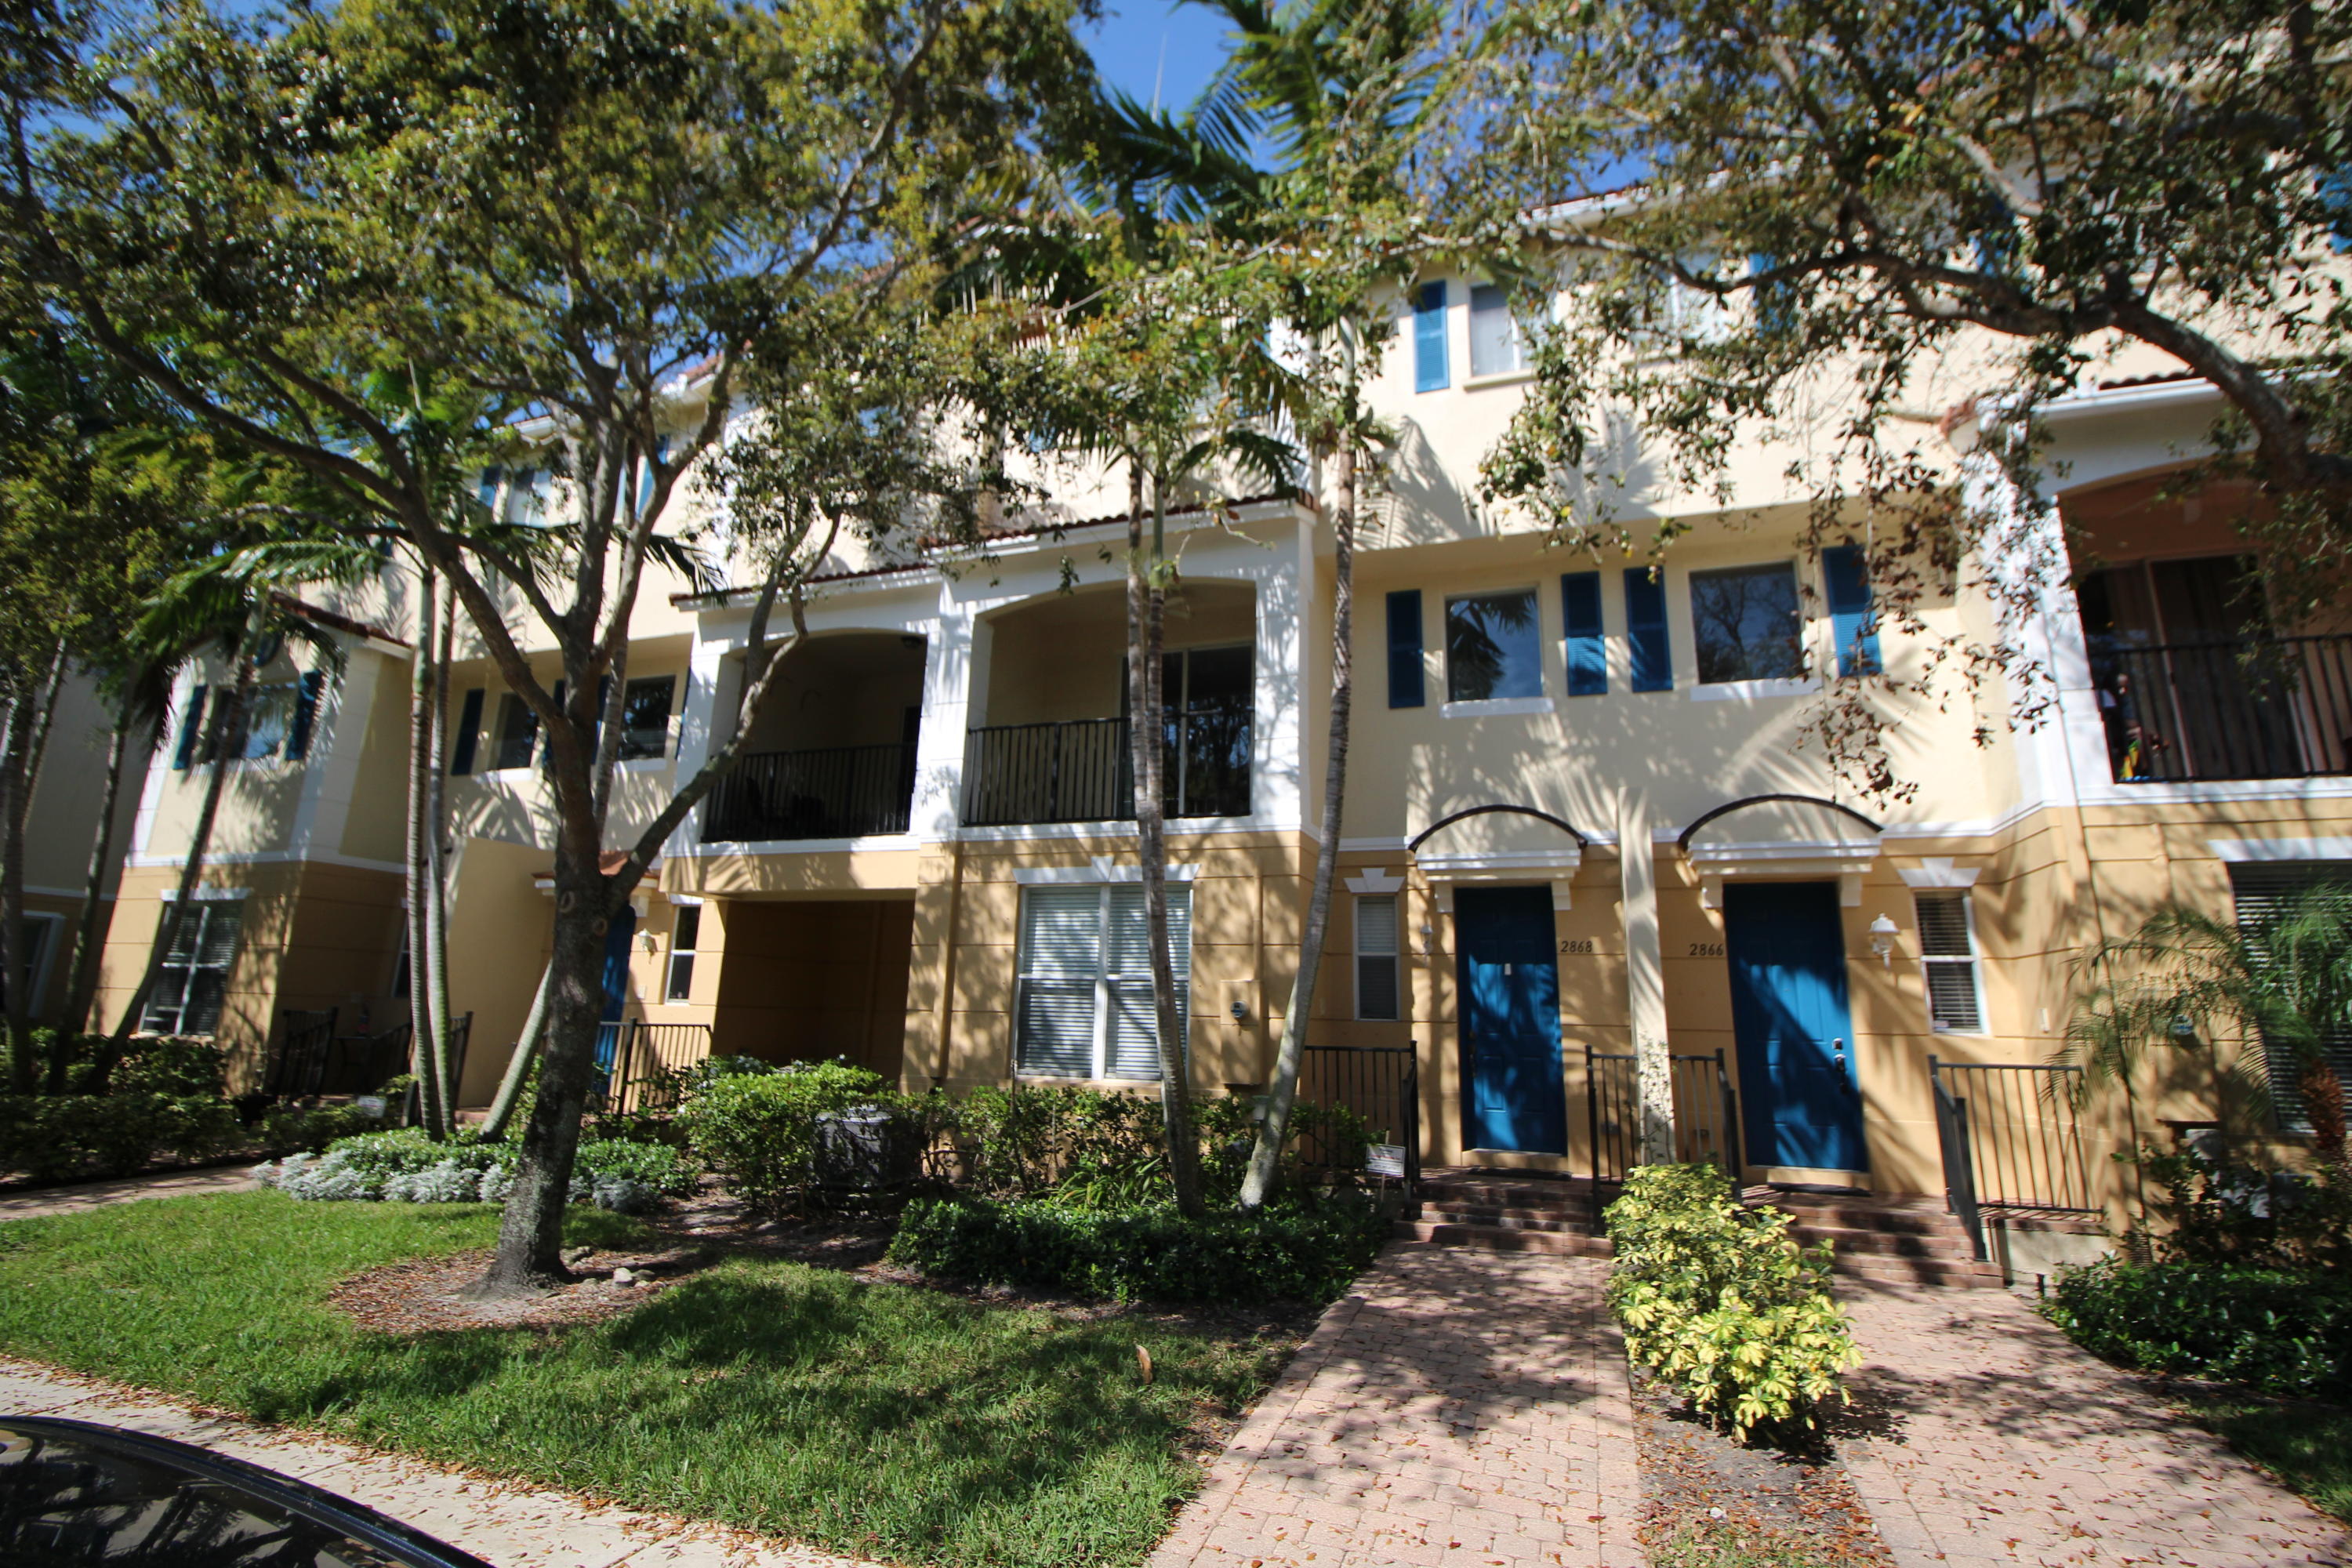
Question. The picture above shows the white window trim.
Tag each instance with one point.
(1472, 708)
(37, 993)
(1395, 955)
(1103, 869)
(1496, 706)
(669, 959)
(1975, 960)
(1499, 378)
(1099, 1064)
(1751, 690)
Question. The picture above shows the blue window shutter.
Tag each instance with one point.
(1429, 372)
(1848, 580)
(1645, 630)
(491, 477)
(1404, 648)
(1773, 312)
(192, 728)
(306, 715)
(1587, 652)
(469, 729)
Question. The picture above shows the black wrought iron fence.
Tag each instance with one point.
(1080, 770)
(1706, 1112)
(1380, 1084)
(637, 1063)
(2009, 1140)
(2227, 709)
(839, 792)
(301, 1056)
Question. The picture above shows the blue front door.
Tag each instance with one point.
(1510, 1019)
(1786, 944)
(616, 983)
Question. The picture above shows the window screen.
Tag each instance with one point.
(683, 936)
(2260, 890)
(1376, 956)
(1949, 951)
(193, 976)
(1085, 1008)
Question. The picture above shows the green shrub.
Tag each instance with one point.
(54, 1138)
(176, 1066)
(2214, 1210)
(1296, 1252)
(761, 1131)
(1720, 1303)
(1108, 1149)
(2282, 1331)
(293, 1130)
(405, 1166)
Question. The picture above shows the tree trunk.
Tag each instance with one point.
(1147, 598)
(425, 1047)
(2323, 1104)
(89, 933)
(1282, 1094)
(225, 727)
(526, 1051)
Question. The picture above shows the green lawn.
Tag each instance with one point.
(2308, 1445)
(891, 1422)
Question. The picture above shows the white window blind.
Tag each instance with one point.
(1955, 1001)
(193, 976)
(1376, 956)
(1085, 1008)
(684, 933)
(2260, 889)
(1494, 333)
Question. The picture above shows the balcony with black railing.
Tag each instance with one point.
(1080, 770)
(833, 792)
(2224, 708)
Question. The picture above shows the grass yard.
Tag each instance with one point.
(876, 1419)
(2307, 1445)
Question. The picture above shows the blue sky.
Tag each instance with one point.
(1146, 43)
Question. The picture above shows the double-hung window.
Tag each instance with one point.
(684, 933)
(1494, 648)
(193, 976)
(1495, 346)
(1377, 991)
(1947, 946)
(1085, 1008)
(1745, 624)
(2263, 891)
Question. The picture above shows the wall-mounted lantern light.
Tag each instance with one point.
(1882, 940)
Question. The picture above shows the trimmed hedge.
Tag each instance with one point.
(405, 1166)
(1308, 1254)
(763, 1132)
(56, 1138)
(2276, 1330)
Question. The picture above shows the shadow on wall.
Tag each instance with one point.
(812, 979)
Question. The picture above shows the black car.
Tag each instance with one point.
(74, 1492)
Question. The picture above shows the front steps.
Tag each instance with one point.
(1909, 1241)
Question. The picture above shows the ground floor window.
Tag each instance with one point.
(193, 976)
(685, 934)
(1947, 946)
(1376, 956)
(2259, 888)
(1085, 1008)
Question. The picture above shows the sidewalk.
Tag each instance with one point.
(2000, 1442)
(1457, 1407)
(509, 1524)
(40, 1201)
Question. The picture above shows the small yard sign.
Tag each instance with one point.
(1384, 1160)
(369, 1105)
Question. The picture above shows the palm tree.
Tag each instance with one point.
(2281, 979)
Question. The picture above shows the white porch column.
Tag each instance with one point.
(712, 682)
(1645, 978)
(951, 659)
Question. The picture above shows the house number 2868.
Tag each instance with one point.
(1576, 946)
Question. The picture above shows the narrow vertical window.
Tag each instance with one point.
(684, 934)
(1428, 368)
(1645, 630)
(1377, 992)
(1495, 348)
(645, 717)
(1588, 651)
(1955, 1001)
(470, 730)
(1405, 649)
(517, 733)
(191, 729)
(1847, 576)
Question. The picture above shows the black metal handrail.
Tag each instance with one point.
(2009, 1140)
(837, 792)
(301, 1053)
(637, 1063)
(1081, 770)
(1380, 1084)
(2226, 707)
(1706, 1112)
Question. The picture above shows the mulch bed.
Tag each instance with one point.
(1704, 1494)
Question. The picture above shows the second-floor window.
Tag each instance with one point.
(193, 979)
(1493, 646)
(1745, 624)
(1495, 346)
(518, 734)
(645, 717)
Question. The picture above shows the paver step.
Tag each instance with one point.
(1847, 1240)
(1869, 1216)
(1918, 1271)
(1498, 1238)
(1506, 1219)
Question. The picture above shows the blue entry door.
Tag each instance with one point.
(1510, 1019)
(1786, 944)
(617, 937)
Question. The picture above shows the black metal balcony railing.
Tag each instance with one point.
(2220, 709)
(1078, 770)
(841, 792)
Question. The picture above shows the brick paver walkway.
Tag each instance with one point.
(35, 1202)
(1456, 1408)
(507, 1524)
(1998, 1441)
